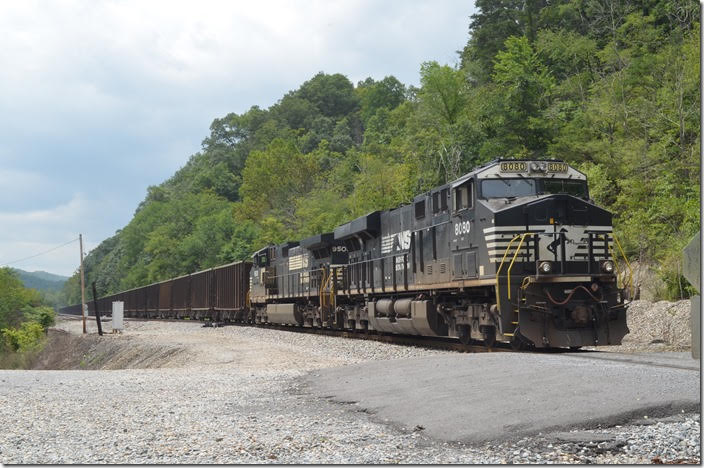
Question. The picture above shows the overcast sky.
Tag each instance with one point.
(99, 100)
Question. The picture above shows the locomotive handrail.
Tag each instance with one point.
(325, 285)
(625, 259)
(323, 282)
(626, 284)
(289, 275)
(510, 267)
(498, 271)
(370, 261)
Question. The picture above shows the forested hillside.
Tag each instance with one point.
(611, 86)
(48, 285)
(40, 280)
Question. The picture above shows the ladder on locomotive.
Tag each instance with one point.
(327, 290)
(521, 298)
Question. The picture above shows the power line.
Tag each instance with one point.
(39, 254)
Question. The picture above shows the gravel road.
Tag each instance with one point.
(234, 395)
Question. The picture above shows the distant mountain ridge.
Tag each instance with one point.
(41, 280)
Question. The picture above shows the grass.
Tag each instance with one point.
(20, 360)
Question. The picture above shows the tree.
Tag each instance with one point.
(387, 94)
(442, 91)
(13, 298)
(524, 86)
(332, 95)
(494, 22)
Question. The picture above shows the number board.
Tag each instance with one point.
(557, 167)
(524, 166)
(515, 166)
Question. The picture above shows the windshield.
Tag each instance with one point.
(578, 188)
(506, 188)
(510, 188)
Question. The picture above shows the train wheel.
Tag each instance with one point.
(365, 326)
(489, 336)
(517, 343)
(464, 334)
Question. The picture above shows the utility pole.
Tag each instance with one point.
(83, 290)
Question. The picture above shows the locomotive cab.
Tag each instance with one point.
(551, 251)
(258, 275)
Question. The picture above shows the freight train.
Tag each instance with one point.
(514, 251)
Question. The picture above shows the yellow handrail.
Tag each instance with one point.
(331, 286)
(628, 284)
(524, 283)
(625, 259)
(498, 271)
(510, 267)
(323, 282)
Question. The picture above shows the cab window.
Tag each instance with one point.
(463, 197)
(420, 209)
(443, 199)
(508, 188)
(577, 188)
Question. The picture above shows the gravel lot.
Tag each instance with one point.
(233, 395)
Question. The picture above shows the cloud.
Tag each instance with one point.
(103, 98)
(27, 233)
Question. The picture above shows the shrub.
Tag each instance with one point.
(43, 315)
(28, 337)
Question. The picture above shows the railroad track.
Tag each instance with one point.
(447, 344)
(443, 343)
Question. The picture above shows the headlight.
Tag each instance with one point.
(607, 266)
(545, 267)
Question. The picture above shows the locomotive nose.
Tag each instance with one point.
(559, 209)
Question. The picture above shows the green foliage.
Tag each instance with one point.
(386, 94)
(14, 297)
(43, 315)
(28, 337)
(441, 92)
(610, 86)
(332, 95)
(23, 321)
(524, 85)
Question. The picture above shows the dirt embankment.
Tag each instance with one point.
(664, 324)
(66, 350)
(656, 326)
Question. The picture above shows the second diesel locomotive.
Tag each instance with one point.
(513, 251)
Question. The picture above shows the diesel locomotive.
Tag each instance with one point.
(514, 251)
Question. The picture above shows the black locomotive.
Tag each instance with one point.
(513, 251)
